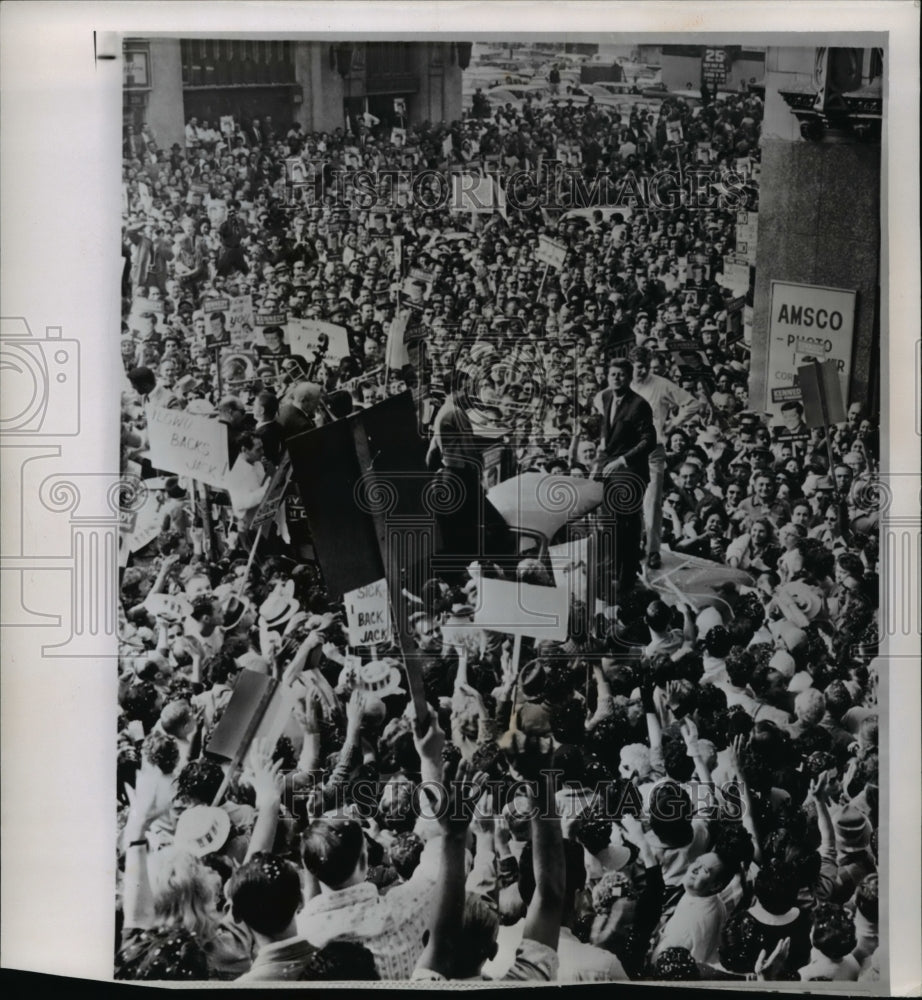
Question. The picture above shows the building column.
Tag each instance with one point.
(165, 108)
(819, 221)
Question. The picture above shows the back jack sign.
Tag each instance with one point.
(807, 322)
(368, 614)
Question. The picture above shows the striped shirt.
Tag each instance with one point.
(390, 926)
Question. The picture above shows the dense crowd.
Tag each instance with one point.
(687, 789)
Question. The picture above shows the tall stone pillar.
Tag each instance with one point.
(819, 205)
(165, 109)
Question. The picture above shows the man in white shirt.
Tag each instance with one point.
(672, 406)
(248, 480)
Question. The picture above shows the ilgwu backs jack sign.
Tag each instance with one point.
(188, 445)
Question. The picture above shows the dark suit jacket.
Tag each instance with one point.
(631, 435)
(273, 438)
(293, 421)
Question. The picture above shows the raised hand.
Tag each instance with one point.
(429, 746)
(819, 788)
(508, 667)
(633, 829)
(772, 967)
(690, 735)
(463, 792)
(265, 776)
(734, 751)
(355, 709)
(309, 714)
(484, 817)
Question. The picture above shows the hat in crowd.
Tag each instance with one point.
(853, 830)
(278, 607)
(533, 679)
(799, 603)
(790, 635)
(202, 830)
(824, 485)
(380, 678)
(783, 662)
(707, 619)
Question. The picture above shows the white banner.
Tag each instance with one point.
(143, 526)
(368, 614)
(188, 445)
(551, 252)
(570, 562)
(240, 320)
(306, 336)
(523, 609)
(807, 321)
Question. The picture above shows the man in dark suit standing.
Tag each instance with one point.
(266, 411)
(300, 414)
(628, 437)
(231, 256)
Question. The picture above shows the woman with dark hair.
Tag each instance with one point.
(676, 449)
(675, 838)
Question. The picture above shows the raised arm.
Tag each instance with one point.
(147, 802)
(542, 921)
(449, 889)
(267, 784)
(748, 817)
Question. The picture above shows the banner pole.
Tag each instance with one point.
(824, 407)
(253, 547)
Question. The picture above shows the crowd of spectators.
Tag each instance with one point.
(688, 789)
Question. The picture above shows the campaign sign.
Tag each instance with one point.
(270, 503)
(807, 321)
(309, 336)
(144, 525)
(188, 445)
(368, 614)
(216, 331)
(523, 609)
(240, 320)
(570, 562)
(674, 133)
(295, 170)
(551, 252)
(237, 371)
